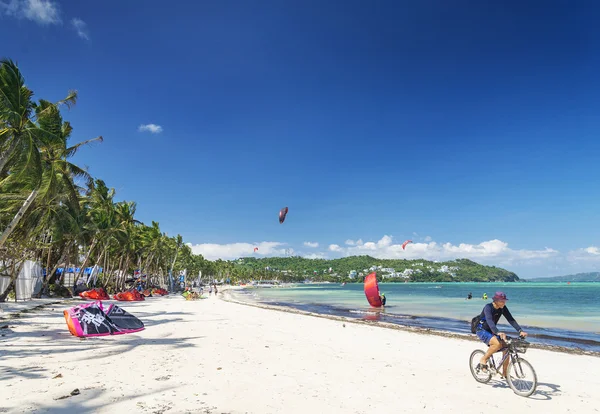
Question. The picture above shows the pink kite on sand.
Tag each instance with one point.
(91, 319)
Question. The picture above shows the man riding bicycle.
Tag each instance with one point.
(488, 332)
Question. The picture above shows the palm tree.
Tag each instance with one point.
(36, 172)
(35, 155)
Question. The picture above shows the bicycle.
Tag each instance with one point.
(517, 366)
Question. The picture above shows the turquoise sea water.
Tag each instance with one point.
(555, 313)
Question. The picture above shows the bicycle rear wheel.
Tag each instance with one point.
(521, 377)
(478, 374)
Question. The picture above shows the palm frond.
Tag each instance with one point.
(73, 150)
(70, 100)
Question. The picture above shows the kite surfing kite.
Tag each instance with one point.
(92, 319)
(129, 295)
(255, 249)
(95, 294)
(282, 213)
(372, 290)
(405, 243)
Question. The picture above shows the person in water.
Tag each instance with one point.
(488, 332)
(484, 297)
(382, 297)
(470, 296)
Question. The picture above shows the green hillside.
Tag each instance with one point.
(299, 269)
(579, 277)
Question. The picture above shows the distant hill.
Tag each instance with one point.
(355, 268)
(579, 277)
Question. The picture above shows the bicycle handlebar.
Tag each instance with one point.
(510, 339)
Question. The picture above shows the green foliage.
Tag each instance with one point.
(579, 277)
(299, 268)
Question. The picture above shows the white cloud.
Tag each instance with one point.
(212, 251)
(495, 251)
(428, 239)
(311, 244)
(536, 262)
(586, 255)
(335, 248)
(81, 28)
(43, 12)
(315, 256)
(358, 242)
(152, 128)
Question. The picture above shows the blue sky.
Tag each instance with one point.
(470, 128)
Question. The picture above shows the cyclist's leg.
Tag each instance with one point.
(494, 346)
(505, 364)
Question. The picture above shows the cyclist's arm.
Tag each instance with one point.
(489, 319)
(511, 320)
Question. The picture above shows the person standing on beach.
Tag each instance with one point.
(216, 291)
(489, 333)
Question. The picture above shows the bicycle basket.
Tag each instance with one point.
(520, 346)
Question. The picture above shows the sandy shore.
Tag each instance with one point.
(211, 356)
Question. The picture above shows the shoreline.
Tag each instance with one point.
(387, 325)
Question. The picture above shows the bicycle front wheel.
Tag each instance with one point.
(478, 374)
(521, 377)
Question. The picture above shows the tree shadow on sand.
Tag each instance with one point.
(93, 400)
(9, 373)
(544, 391)
(92, 348)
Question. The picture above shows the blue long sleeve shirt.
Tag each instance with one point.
(490, 317)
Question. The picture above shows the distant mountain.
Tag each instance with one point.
(579, 277)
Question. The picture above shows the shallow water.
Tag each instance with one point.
(553, 313)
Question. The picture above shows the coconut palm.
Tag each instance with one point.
(53, 194)
(34, 156)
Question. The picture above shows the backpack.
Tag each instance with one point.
(475, 322)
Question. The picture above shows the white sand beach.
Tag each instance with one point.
(212, 356)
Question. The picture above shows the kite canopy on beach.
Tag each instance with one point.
(92, 319)
(95, 294)
(372, 290)
(282, 213)
(129, 295)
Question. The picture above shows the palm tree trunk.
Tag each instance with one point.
(13, 277)
(44, 284)
(125, 274)
(147, 263)
(63, 256)
(87, 256)
(115, 276)
(106, 262)
(18, 217)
